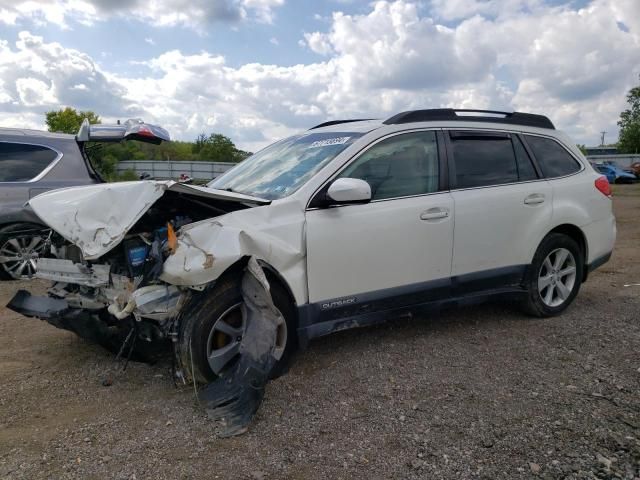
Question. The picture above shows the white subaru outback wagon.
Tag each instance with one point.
(347, 224)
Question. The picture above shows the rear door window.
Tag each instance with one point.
(487, 158)
(553, 158)
(22, 162)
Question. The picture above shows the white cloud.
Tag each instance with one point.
(317, 42)
(38, 76)
(196, 14)
(460, 9)
(573, 65)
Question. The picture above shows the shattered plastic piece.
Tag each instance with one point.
(42, 307)
(234, 398)
(85, 324)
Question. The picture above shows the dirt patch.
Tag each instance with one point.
(481, 392)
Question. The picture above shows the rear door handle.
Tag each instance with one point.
(534, 199)
(434, 214)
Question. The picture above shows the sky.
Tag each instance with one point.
(259, 70)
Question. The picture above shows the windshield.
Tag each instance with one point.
(282, 168)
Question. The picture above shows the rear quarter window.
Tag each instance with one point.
(22, 162)
(553, 158)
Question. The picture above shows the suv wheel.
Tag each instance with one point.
(212, 329)
(555, 276)
(20, 246)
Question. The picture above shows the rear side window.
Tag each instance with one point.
(483, 159)
(553, 159)
(20, 162)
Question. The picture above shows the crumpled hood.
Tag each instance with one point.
(96, 217)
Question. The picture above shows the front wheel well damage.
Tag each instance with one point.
(237, 269)
(232, 379)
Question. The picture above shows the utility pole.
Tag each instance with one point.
(602, 134)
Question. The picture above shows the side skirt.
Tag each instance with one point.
(326, 317)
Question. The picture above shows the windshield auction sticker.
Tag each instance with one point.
(329, 141)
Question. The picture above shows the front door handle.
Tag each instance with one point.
(434, 214)
(534, 199)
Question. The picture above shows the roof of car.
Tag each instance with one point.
(446, 117)
(25, 132)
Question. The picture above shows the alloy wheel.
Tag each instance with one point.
(557, 277)
(225, 339)
(18, 255)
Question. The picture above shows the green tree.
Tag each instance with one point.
(201, 141)
(107, 165)
(68, 120)
(218, 148)
(629, 139)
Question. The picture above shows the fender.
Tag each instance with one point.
(273, 235)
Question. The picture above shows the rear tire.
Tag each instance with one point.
(554, 278)
(213, 323)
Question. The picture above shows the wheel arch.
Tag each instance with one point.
(273, 276)
(17, 221)
(575, 233)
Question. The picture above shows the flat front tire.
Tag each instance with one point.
(555, 276)
(211, 331)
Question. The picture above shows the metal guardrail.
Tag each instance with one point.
(172, 169)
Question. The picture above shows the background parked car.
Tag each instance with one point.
(615, 174)
(33, 162)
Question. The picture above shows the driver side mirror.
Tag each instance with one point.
(345, 191)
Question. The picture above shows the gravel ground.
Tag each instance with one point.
(480, 392)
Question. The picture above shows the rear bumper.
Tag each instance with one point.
(601, 239)
(598, 262)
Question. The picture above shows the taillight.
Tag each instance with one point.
(602, 184)
(145, 131)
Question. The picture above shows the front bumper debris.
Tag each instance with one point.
(235, 396)
(150, 315)
(93, 326)
(46, 308)
(60, 270)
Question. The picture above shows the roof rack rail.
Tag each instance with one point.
(337, 122)
(491, 116)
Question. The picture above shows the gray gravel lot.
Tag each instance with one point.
(480, 392)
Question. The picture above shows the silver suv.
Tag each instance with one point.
(33, 162)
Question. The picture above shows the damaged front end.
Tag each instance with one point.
(109, 283)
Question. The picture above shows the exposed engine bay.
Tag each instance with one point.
(119, 301)
(124, 282)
